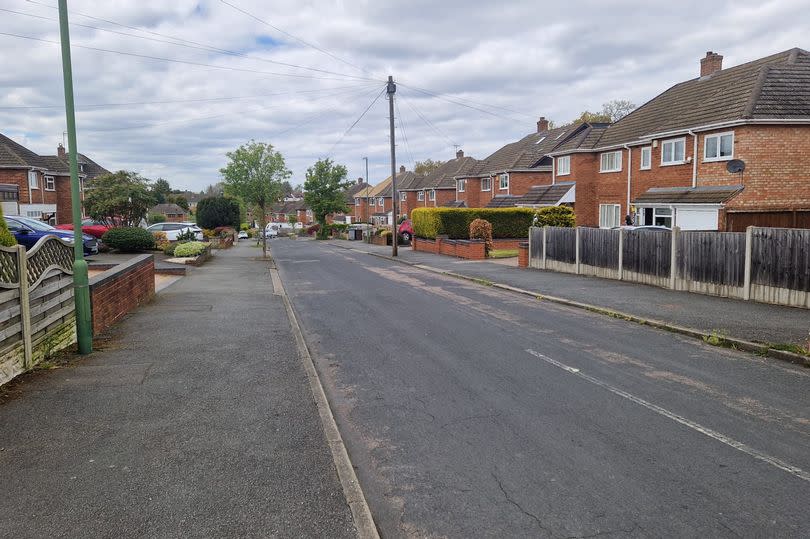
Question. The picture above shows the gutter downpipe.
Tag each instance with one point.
(694, 158)
(629, 174)
(553, 170)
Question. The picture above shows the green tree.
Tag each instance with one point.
(161, 190)
(7, 239)
(427, 166)
(254, 174)
(617, 109)
(180, 200)
(218, 211)
(118, 199)
(292, 219)
(324, 191)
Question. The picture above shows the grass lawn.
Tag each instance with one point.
(503, 253)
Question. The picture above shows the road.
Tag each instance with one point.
(474, 412)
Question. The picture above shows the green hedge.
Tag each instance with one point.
(129, 240)
(455, 222)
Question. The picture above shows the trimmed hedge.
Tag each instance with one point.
(455, 222)
(129, 240)
(561, 216)
(192, 248)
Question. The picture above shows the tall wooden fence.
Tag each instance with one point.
(770, 265)
(37, 316)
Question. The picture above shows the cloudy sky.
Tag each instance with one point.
(167, 88)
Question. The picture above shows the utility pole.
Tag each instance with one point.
(368, 210)
(391, 90)
(81, 288)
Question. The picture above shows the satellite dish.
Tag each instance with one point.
(735, 166)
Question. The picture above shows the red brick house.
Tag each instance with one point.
(375, 204)
(725, 150)
(38, 186)
(171, 212)
(435, 189)
(350, 193)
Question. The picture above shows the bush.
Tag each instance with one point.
(455, 222)
(245, 227)
(188, 235)
(7, 239)
(129, 239)
(313, 229)
(161, 241)
(155, 218)
(218, 211)
(555, 216)
(482, 230)
(191, 248)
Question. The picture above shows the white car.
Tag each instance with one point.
(271, 230)
(243, 235)
(172, 230)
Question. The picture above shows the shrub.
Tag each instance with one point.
(224, 231)
(218, 211)
(188, 235)
(161, 241)
(191, 248)
(313, 229)
(555, 216)
(155, 218)
(481, 229)
(455, 222)
(245, 227)
(129, 239)
(7, 239)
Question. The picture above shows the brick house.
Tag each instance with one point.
(38, 186)
(722, 151)
(350, 193)
(375, 203)
(435, 189)
(511, 171)
(171, 212)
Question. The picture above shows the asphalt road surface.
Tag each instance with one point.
(473, 412)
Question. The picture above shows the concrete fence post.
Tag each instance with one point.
(578, 230)
(621, 254)
(531, 235)
(673, 257)
(545, 229)
(749, 241)
(25, 306)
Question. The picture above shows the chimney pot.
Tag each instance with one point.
(459, 154)
(542, 124)
(60, 151)
(711, 64)
(401, 168)
(360, 180)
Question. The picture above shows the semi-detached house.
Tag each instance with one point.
(436, 189)
(725, 150)
(375, 204)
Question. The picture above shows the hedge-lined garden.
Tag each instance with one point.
(455, 222)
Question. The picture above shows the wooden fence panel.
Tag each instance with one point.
(647, 252)
(599, 247)
(561, 244)
(712, 257)
(536, 245)
(780, 257)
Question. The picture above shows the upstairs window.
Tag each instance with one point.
(486, 184)
(461, 185)
(503, 182)
(719, 147)
(646, 158)
(564, 165)
(356, 201)
(50, 185)
(610, 162)
(420, 196)
(33, 179)
(403, 196)
(380, 201)
(673, 152)
(432, 195)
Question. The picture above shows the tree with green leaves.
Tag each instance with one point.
(254, 174)
(423, 168)
(324, 191)
(118, 199)
(617, 109)
(178, 199)
(161, 189)
(213, 212)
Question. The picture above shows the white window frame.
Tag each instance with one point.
(566, 169)
(612, 212)
(356, 201)
(420, 196)
(33, 179)
(380, 202)
(617, 166)
(461, 185)
(673, 142)
(432, 195)
(719, 137)
(648, 151)
(488, 184)
(403, 196)
(50, 183)
(503, 182)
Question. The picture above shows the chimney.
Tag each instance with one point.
(711, 64)
(542, 124)
(60, 151)
(459, 154)
(401, 169)
(359, 181)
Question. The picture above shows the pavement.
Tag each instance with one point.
(470, 411)
(194, 418)
(745, 320)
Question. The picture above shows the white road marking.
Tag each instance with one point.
(739, 446)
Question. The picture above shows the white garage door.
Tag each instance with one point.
(696, 218)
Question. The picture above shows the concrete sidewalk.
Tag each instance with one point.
(196, 419)
(744, 320)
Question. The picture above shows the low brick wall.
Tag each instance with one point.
(523, 254)
(467, 249)
(121, 289)
(378, 240)
(510, 243)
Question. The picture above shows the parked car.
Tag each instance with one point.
(406, 230)
(243, 235)
(271, 230)
(89, 226)
(173, 230)
(29, 231)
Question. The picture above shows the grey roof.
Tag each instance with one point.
(503, 201)
(403, 178)
(91, 168)
(443, 177)
(545, 195)
(168, 208)
(353, 190)
(13, 154)
(689, 195)
(777, 86)
(454, 204)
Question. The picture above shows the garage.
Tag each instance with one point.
(688, 208)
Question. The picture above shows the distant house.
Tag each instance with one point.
(438, 188)
(375, 204)
(171, 212)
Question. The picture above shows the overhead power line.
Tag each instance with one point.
(461, 104)
(356, 121)
(307, 43)
(447, 96)
(404, 136)
(428, 123)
